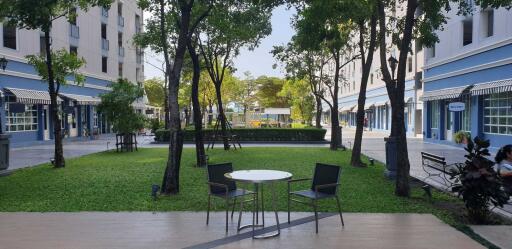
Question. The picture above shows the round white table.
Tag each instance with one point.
(259, 177)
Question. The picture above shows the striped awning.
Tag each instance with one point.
(492, 87)
(82, 99)
(26, 96)
(347, 108)
(369, 105)
(446, 93)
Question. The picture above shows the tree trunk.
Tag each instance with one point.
(366, 64)
(57, 129)
(170, 183)
(166, 103)
(335, 122)
(318, 113)
(198, 125)
(222, 116)
(210, 113)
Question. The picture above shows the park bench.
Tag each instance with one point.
(436, 166)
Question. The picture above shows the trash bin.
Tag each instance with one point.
(4, 151)
(391, 157)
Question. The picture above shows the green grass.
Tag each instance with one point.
(111, 181)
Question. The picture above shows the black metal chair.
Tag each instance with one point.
(220, 186)
(326, 180)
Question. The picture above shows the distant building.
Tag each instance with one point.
(103, 37)
(377, 104)
(472, 64)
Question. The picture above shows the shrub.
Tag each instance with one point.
(461, 137)
(154, 124)
(256, 134)
(478, 183)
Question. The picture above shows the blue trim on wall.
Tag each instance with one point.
(500, 53)
(492, 74)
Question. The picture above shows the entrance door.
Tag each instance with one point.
(73, 127)
(448, 125)
(46, 123)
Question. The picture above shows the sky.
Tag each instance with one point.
(258, 62)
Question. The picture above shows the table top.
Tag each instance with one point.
(258, 176)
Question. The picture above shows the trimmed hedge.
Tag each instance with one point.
(256, 134)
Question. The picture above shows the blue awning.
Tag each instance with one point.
(446, 93)
(498, 86)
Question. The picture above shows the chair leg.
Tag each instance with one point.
(339, 210)
(316, 215)
(240, 213)
(233, 210)
(208, 210)
(289, 207)
(227, 213)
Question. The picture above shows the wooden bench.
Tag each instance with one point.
(435, 166)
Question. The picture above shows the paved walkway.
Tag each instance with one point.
(188, 230)
(500, 236)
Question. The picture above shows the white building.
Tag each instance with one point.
(103, 37)
(471, 64)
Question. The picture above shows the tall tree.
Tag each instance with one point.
(198, 124)
(420, 21)
(321, 27)
(39, 15)
(300, 99)
(155, 90)
(231, 26)
(268, 92)
(169, 30)
(365, 18)
(305, 65)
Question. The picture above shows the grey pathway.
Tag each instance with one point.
(500, 236)
(187, 229)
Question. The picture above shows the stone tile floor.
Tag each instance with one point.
(188, 230)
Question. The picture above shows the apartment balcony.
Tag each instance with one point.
(104, 12)
(104, 44)
(121, 52)
(120, 21)
(74, 31)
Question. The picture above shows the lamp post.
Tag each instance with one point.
(3, 65)
(4, 138)
(391, 142)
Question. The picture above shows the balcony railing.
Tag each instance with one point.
(104, 12)
(121, 51)
(74, 31)
(104, 44)
(120, 21)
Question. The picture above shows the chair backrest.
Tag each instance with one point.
(216, 174)
(326, 174)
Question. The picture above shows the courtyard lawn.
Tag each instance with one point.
(111, 181)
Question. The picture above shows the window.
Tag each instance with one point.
(371, 79)
(488, 22)
(467, 31)
(466, 114)
(434, 114)
(9, 36)
(353, 85)
(409, 64)
(73, 50)
(103, 31)
(120, 70)
(21, 121)
(119, 9)
(432, 51)
(137, 24)
(104, 62)
(42, 45)
(498, 113)
(120, 39)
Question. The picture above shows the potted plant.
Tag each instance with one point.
(478, 183)
(462, 137)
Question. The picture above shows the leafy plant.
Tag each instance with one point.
(117, 107)
(461, 137)
(477, 182)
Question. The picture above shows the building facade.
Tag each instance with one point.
(472, 64)
(377, 104)
(103, 37)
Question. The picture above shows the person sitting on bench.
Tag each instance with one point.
(504, 161)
